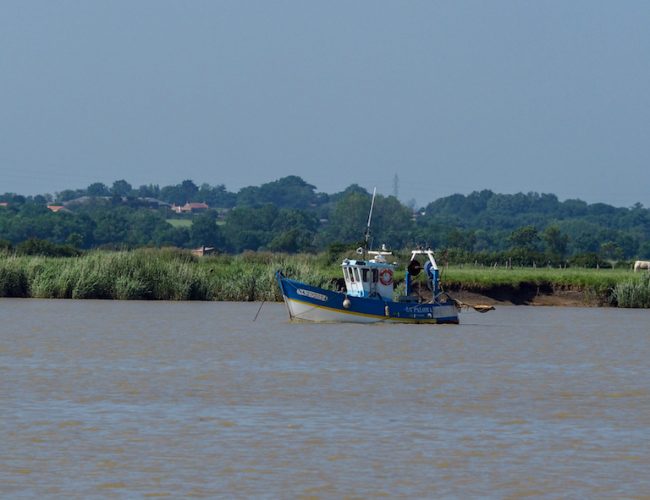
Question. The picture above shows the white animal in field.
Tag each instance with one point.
(641, 264)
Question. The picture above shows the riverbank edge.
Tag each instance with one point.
(529, 294)
(524, 295)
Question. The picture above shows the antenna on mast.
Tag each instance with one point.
(372, 204)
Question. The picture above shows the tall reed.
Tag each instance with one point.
(250, 277)
(14, 281)
(633, 293)
(171, 274)
(141, 274)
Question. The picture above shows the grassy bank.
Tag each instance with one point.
(177, 275)
(596, 285)
(153, 275)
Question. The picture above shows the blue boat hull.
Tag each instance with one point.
(310, 303)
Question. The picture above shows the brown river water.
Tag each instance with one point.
(153, 399)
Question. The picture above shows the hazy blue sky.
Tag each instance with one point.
(452, 96)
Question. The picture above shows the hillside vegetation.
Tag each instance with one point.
(289, 215)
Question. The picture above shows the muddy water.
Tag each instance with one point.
(138, 399)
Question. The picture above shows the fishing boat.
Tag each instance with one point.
(368, 295)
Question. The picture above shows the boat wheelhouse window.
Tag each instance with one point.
(375, 275)
(356, 274)
(350, 274)
(364, 274)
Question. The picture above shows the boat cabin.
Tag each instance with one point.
(369, 278)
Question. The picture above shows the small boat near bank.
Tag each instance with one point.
(368, 296)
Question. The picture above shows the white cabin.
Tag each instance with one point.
(369, 278)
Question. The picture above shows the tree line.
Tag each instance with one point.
(289, 215)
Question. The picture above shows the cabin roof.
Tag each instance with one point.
(366, 263)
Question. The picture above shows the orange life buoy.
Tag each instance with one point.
(386, 276)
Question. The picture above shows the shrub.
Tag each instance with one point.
(46, 248)
(589, 260)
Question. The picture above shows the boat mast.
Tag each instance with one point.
(372, 204)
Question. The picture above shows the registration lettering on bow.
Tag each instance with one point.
(418, 309)
(311, 295)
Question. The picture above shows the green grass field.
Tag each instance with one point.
(180, 222)
(482, 277)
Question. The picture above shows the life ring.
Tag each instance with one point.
(386, 276)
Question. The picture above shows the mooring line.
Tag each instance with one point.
(258, 311)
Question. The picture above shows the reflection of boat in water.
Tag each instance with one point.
(368, 294)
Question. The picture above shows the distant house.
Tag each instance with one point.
(4, 204)
(153, 202)
(201, 251)
(84, 200)
(58, 208)
(189, 208)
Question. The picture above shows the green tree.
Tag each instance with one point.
(189, 190)
(148, 191)
(644, 250)
(68, 194)
(293, 231)
(525, 238)
(464, 240)
(611, 251)
(217, 197)
(205, 231)
(121, 188)
(391, 222)
(75, 240)
(348, 221)
(523, 246)
(556, 242)
(142, 226)
(287, 192)
(98, 189)
(290, 241)
(249, 228)
(180, 194)
(171, 236)
(112, 227)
